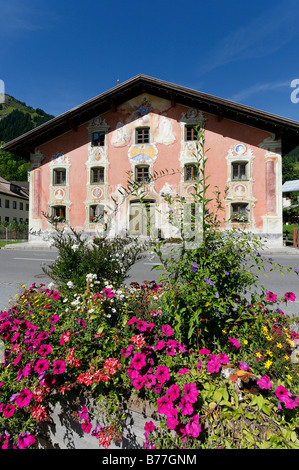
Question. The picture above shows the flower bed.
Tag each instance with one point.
(117, 340)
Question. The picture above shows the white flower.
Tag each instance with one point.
(75, 247)
(51, 285)
(70, 285)
(91, 276)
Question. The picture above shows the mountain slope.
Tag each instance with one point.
(16, 118)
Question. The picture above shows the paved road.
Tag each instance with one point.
(24, 266)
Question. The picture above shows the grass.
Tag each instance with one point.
(3, 242)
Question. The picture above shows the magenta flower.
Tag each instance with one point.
(281, 393)
(193, 427)
(172, 418)
(173, 392)
(186, 406)
(271, 297)
(150, 380)
(264, 382)
(223, 358)
(198, 365)
(23, 398)
(162, 374)
(54, 319)
(86, 426)
(164, 403)
(290, 296)
(127, 352)
(160, 345)
(8, 411)
(234, 343)
(45, 349)
(183, 371)
(138, 361)
(59, 367)
(81, 323)
(191, 392)
(204, 351)
(132, 320)
(167, 330)
(213, 364)
(141, 325)
(83, 413)
(55, 295)
(25, 439)
(244, 366)
(41, 365)
(138, 383)
(149, 427)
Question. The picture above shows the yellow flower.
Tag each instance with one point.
(287, 358)
(279, 345)
(268, 364)
(245, 341)
(269, 338)
(269, 353)
(258, 354)
(289, 377)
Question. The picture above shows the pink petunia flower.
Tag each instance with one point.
(45, 349)
(41, 365)
(183, 371)
(271, 297)
(138, 361)
(191, 392)
(204, 351)
(149, 427)
(173, 392)
(290, 296)
(167, 330)
(23, 398)
(55, 295)
(25, 439)
(162, 374)
(59, 367)
(264, 382)
(8, 411)
(234, 343)
(186, 406)
(193, 427)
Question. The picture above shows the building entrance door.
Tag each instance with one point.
(142, 218)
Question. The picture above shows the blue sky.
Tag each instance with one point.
(56, 54)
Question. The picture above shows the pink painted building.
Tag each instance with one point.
(80, 160)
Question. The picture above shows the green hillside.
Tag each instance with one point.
(16, 118)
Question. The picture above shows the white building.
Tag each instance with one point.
(14, 201)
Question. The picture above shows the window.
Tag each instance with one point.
(98, 139)
(190, 172)
(240, 212)
(97, 175)
(58, 211)
(142, 135)
(21, 206)
(6, 203)
(191, 133)
(27, 207)
(239, 171)
(142, 173)
(96, 213)
(59, 176)
(14, 204)
(0, 202)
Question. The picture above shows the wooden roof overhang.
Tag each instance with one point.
(286, 129)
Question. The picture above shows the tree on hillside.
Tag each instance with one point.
(12, 167)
